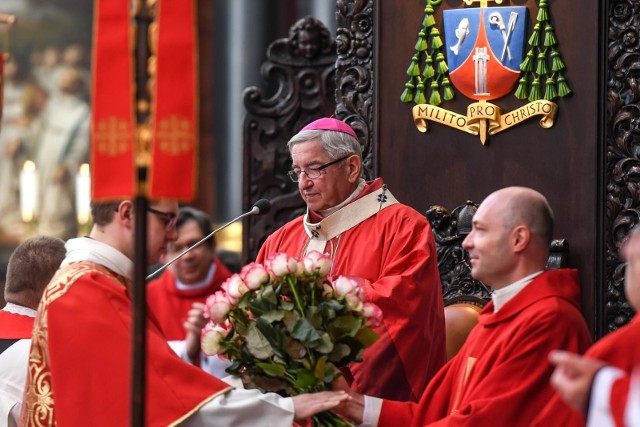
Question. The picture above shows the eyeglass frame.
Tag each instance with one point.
(295, 177)
(171, 217)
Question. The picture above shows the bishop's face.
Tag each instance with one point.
(335, 183)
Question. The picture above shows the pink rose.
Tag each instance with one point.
(254, 275)
(344, 285)
(279, 265)
(317, 261)
(212, 333)
(217, 307)
(235, 287)
(373, 313)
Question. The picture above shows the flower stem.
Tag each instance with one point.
(292, 285)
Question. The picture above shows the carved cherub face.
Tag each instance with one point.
(308, 43)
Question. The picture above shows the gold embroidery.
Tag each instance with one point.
(38, 405)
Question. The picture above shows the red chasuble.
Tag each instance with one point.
(619, 349)
(170, 305)
(500, 376)
(15, 326)
(395, 251)
(80, 361)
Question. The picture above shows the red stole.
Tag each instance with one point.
(171, 305)
(15, 326)
(80, 361)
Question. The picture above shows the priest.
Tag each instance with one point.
(80, 359)
(501, 374)
(368, 233)
(181, 291)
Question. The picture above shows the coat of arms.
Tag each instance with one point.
(485, 55)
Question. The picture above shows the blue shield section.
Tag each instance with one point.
(504, 30)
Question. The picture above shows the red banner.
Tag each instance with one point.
(113, 122)
(174, 149)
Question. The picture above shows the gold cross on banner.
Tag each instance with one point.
(483, 3)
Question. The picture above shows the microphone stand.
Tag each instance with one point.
(254, 211)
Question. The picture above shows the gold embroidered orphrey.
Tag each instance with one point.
(484, 118)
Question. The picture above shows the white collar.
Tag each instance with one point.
(88, 249)
(502, 296)
(19, 309)
(200, 285)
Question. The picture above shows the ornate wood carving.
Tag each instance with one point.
(355, 74)
(622, 150)
(449, 230)
(301, 69)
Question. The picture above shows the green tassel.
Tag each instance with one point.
(543, 13)
(435, 99)
(541, 65)
(523, 88)
(549, 36)
(407, 93)
(534, 40)
(421, 44)
(535, 90)
(527, 64)
(413, 69)
(556, 61)
(448, 93)
(428, 68)
(419, 96)
(428, 21)
(441, 63)
(563, 86)
(436, 41)
(550, 92)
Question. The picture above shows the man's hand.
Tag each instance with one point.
(573, 377)
(309, 404)
(193, 325)
(352, 409)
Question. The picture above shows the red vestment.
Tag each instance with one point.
(80, 361)
(395, 251)
(619, 349)
(500, 376)
(171, 305)
(15, 326)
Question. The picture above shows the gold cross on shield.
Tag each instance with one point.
(483, 3)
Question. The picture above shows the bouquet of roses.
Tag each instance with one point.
(287, 327)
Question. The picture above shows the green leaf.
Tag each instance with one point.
(305, 332)
(340, 351)
(294, 348)
(367, 337)
(257, 344)
(273, 315)
(273, 369)
(344, 325)
(320, 368)
(325, 345)
(290, 320)
(271, 333)
(305, 380)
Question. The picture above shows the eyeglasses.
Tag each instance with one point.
(169, 217)
(312, 173)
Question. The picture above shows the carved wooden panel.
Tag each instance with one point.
(622, 182)
(355, 75)
(300, 69)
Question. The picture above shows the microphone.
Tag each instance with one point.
(260, 207)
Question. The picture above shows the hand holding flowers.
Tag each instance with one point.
(287, 328)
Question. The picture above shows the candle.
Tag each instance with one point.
(28, 191)
(83, 193)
